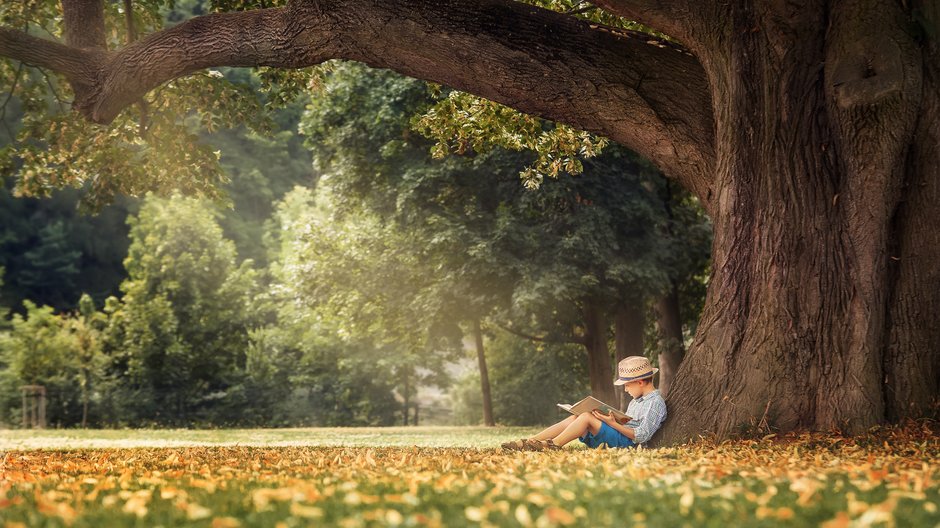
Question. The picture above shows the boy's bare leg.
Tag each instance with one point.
(583, 423)
(554, 430)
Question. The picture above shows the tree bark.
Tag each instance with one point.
(484, 375)
(600, 372)
(671, 349)
(815, 112)
(912, 359)
(629, 325)
(84, 23)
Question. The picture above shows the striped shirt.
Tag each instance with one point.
(648, 413)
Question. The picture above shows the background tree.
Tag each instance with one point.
(4, 309)
(520, 368)
(53, 253)
(260, 168)
(178, 337)
(552, 263)
(86, 326)
(357, 280)
(43, 349)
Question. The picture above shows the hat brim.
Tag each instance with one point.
(624, 381)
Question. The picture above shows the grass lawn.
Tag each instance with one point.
(319, 436)
(456, 477)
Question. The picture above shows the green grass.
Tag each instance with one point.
(402, 477)
(421, 436)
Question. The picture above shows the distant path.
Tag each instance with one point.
(430, 436)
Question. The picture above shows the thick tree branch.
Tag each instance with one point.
(650, 97)
(646, 95)
(677, 18)
(78, 66)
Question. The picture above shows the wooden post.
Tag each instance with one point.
(34, 406)
(42, 407)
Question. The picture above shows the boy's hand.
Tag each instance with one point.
(608, 418)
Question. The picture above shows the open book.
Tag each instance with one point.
(590, 404)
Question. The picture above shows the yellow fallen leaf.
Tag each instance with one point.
(307, 512)
(195, 512)
(537, 499)
(841, 520)
(172, 459)
(394, 517)
(136, 505)
(56, 509)
(559, 516)
(474, 514)
(6, 503)
(264, 496)
(805, 488)
(226, 522)
(685, 502)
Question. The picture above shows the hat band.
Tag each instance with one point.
(641, 376)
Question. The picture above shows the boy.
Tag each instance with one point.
(647, 412)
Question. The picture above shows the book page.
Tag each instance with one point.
(590, 404)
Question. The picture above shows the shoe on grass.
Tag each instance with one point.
(515, 445)
(540, 445)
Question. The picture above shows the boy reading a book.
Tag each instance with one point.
(647, 412)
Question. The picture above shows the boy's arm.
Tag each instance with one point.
(651, 421)
(611, 420)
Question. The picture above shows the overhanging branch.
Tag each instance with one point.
(676, 18)
(78, 66)
(650, 97)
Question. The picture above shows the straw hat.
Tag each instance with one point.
(634, 368)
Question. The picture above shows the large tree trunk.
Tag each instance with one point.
(671, 349)
(912, 363)
(811, 170)
(484, 375)
(595, 344)
(629, 323)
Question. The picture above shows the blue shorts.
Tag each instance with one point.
(607, 435)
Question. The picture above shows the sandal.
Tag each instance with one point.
(515, 445)
(541, 445)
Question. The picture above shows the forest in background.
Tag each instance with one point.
(345, 267)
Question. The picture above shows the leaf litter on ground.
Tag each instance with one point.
(884, 478)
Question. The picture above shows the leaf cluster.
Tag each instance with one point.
(154, 146)
(461, 123)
